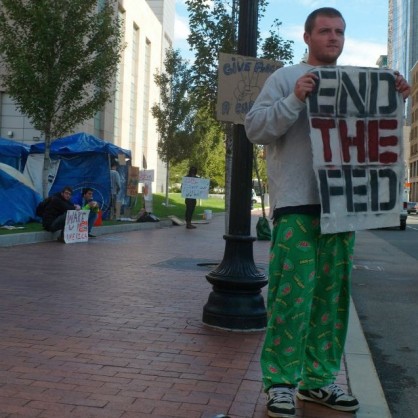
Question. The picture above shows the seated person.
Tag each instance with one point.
(53, 218)
(86, 202)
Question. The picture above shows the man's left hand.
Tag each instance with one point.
(402, 85)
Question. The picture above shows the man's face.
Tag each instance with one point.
(326, 41)
(88, 195)
(66, 194)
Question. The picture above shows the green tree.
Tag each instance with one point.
(174, 112)
(213, 29)
(274, 47)
(208, 152)
(60, 60)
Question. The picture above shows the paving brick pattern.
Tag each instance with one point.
(112, 328)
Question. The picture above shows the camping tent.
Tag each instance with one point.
(79, 160)
(18, 198)
(13, 153)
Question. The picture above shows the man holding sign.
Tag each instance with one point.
(192, 188)
(55, 214)
(309, 272)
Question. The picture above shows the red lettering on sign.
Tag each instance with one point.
(348, 141)
(324, 125)
(370, 132)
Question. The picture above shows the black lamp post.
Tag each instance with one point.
(236, 301)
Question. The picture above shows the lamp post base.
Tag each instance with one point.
(236, 301)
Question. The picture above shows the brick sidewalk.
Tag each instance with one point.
(112, 328)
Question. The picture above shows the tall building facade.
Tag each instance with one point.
(148, 30)
(403, 56)
(413, 143)
(403, 35)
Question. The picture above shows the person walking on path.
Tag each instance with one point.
(55, 213)
(190, 203)
(309, 272)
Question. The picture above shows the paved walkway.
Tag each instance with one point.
(112, 328)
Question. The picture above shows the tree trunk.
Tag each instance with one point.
(166, 184)
(47, 164)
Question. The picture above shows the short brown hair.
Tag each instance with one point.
(67, 189)
(323, 11)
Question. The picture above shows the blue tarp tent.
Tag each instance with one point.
(84, 161)
(18, 198)
(13, 153)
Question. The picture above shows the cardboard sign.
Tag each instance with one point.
(194, 188)
(356, 118)
(146, 175)
(148, 197)
(76, 226)
(133, 180)
(240, 80)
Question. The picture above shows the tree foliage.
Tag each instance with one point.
(214, 29)
(208, 152)
(174, 112)
(274, 47)
(60, 59)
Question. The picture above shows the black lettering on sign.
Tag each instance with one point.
(360, 196)
(355, 94)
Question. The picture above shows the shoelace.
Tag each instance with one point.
(335, 390)
(282, 395)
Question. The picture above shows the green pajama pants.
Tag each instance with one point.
(307, 304)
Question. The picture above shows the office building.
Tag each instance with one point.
(403, 56)
(148, 27)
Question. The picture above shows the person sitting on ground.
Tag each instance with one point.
(55, 213)
(85, 201)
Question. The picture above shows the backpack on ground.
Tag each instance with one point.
(147, 217)
(40, 209)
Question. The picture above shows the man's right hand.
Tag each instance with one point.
(305, 85)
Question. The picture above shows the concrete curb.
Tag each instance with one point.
(44, 236)
(363, 379)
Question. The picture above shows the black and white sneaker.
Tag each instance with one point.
(332, 396)
(281, 402)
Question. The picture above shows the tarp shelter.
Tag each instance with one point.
(18, 197)
(13, 153)
(79, 160)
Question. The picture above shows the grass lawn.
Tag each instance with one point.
(175, 207)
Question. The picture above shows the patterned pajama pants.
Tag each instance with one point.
(307, 304)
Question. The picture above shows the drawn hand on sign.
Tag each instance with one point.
(245, 94)
(305, 85)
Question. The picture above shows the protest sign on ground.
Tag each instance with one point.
(355, 118)
(76, 226)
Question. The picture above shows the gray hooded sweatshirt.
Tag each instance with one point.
(278, 119)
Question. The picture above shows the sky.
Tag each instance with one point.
(365, 36)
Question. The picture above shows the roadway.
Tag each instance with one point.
(385, 293)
